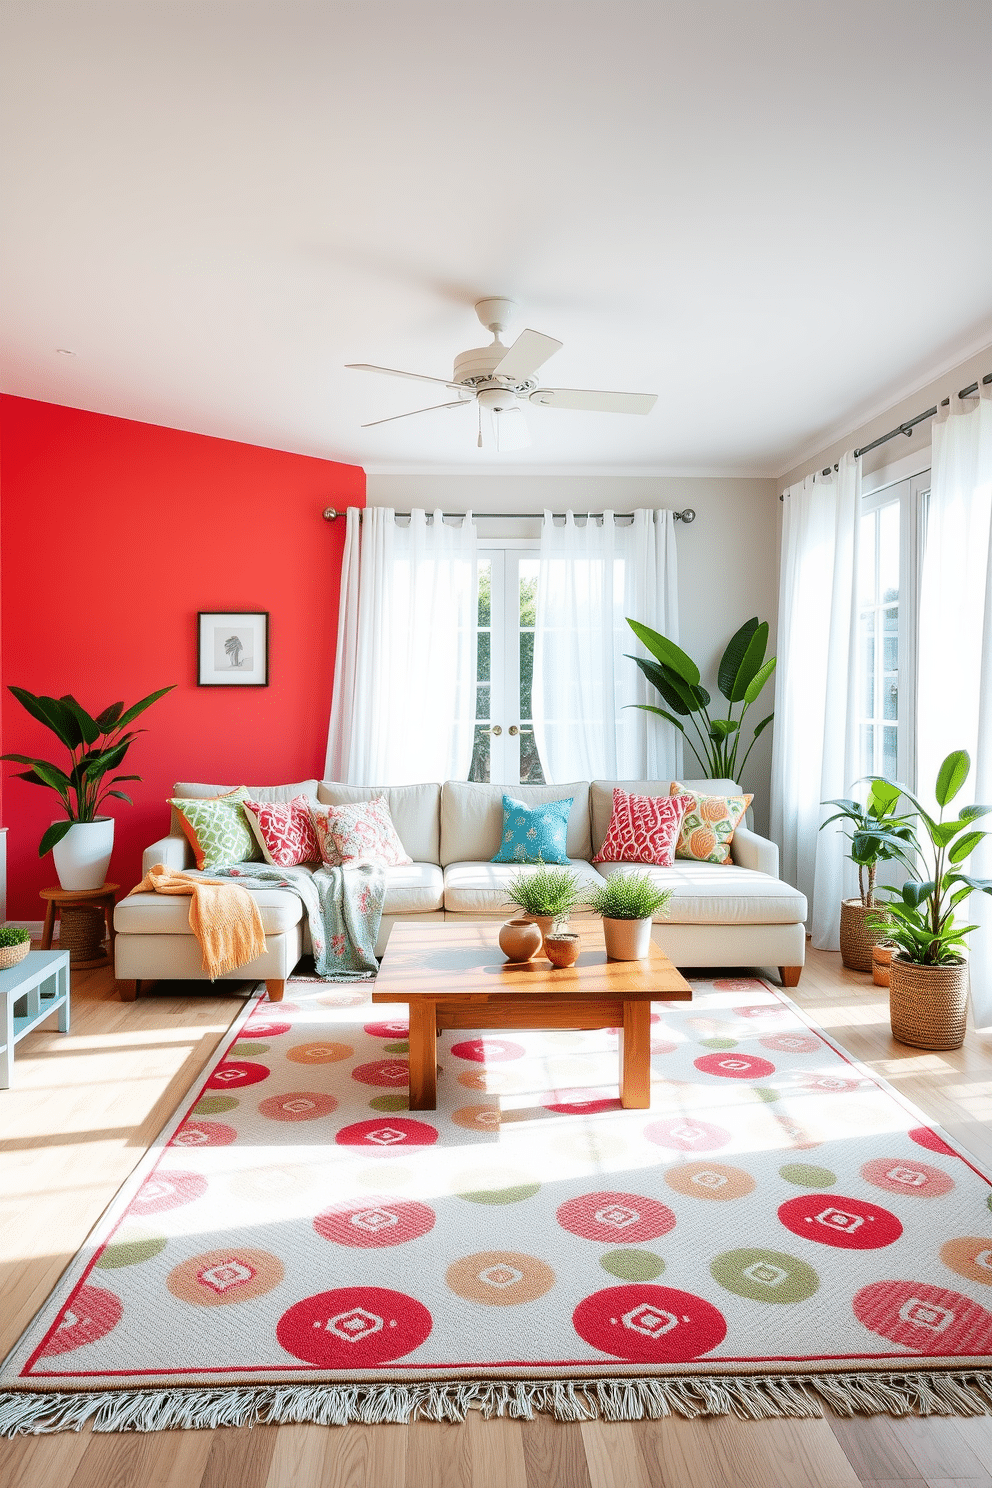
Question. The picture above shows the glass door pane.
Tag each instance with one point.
(528, 761)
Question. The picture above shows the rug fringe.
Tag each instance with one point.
(749, 1397)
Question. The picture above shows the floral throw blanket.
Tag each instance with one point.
(343, 907)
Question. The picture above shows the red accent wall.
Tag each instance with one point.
(112, 535)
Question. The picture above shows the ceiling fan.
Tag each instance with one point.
(498, 378)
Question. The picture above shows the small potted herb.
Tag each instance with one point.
(15, 942)
(546, 895)
(628, 902)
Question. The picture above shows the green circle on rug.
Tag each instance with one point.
(765, 1275)
(632, 1265)
(131, 1249)
(250, 1046)
(807, 1175)
(765, 1093)
(500, 1188)
(403, 1047)
(394, 1102)
(214, 1105)
(718, 1043)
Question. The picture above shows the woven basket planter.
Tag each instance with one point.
(856, 939)
(928, 1005)
(10, 955)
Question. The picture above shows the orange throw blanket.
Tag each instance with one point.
(223, 916)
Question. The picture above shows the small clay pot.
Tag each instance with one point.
(881, 957)
(562, 950)
(520, 940)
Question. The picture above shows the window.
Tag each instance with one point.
(504, 751)
(888, 586)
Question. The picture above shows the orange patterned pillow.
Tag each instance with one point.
(709, 824)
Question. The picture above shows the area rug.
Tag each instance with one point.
(779, 1231)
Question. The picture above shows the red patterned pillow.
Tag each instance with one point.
(284, 831)
(643, 829)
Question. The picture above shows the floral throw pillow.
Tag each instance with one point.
(284, 831)
(709, 824)
(643, 829)
(359, 832)
(218, 830)
(534, 834)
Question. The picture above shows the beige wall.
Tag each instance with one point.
(728, 566)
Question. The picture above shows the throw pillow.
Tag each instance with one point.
(284, 831)
(218, 830)
(360, 832)
(534, 834)
(709, 824)
(643, 829)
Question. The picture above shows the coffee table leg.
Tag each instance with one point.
(423, 1056)
(635, 1056)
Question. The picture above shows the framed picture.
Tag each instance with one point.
(232, 648)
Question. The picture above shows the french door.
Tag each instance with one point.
(504, 751)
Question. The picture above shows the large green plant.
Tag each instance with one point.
(869, 830)
(741, 676)
(920, 918)
(96, 747)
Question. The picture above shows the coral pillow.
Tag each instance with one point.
(709, 825)
(284, 831)
(360, 832)
(643, 829)
(217, 829)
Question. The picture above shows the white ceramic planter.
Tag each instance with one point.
(627, 940)
(82, 858)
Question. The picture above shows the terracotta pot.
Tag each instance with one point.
(856, 939)
(928, 1005)
(545, 923)
(562, 950)
(520, 940)
(881, 956)
(627, 940)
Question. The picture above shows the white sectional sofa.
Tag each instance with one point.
(737, 914)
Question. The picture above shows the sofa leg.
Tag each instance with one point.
(276, 990)
(790, 975)
(128, 991)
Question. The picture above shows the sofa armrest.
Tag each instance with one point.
(748, 850)
(174, 852)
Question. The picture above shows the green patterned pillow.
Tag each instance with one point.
(218, 830)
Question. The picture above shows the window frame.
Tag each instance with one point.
(505, 554)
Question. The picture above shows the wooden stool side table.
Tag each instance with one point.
(56, 900)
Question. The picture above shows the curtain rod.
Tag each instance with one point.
(687, 515)
(909, 425)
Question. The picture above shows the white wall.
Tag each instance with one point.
(728, 557)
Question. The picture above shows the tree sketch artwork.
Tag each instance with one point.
(234, 648)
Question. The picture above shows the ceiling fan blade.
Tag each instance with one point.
(592, 402)
(512, 432)
(458, 403)
(530, 351)
(413, 376)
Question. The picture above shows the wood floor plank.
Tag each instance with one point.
(612, 1458)
(438, 1456)
(47, 1462)
(496, 1450)
(356, 1456)
(239, 1457)
(555, 1455)
(753, 1454)
(115, 1459)
(298, 1457)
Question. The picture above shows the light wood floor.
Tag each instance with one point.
(82, 1110)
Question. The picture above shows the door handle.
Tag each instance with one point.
(513, 729)
(496, 729)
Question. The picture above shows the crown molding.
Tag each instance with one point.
(579, 472)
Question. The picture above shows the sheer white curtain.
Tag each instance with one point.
(814, 748)
(592, 576)
(954, 690)
(403, 708)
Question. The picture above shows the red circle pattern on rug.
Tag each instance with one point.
(650, 1324)
(368, 1223)
(607, 1217)
(354, 1327)
(386, 1133)
(835, 1219)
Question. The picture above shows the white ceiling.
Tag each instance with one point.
(775, 215)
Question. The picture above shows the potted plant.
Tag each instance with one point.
(547, 896)
(82, 843)
(928, 975)
(628, 902)
(741, 676)
(870, 829)
(15, 942)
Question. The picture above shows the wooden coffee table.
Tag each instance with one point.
(455, 976)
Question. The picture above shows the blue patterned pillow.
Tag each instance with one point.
(534, 834)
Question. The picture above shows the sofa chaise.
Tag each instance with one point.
(737, 914)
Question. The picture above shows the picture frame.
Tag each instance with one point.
(232, 648)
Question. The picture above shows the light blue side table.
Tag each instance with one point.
(37, 985)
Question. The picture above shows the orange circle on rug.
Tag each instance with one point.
(907, 1176)
(970, 1256)
(477, 1118)
(500, 1278)
(389, 1072)
(791, 1043)
(204, 1134)
(298, 1105)
(217, 1278)
(320, 1053)
(706, 1180)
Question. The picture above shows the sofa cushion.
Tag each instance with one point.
(721, 894)
(413, 808)
(218, 831)
(601, 798)
(643, 829)
(413, 888)
(168, 914)
(472, 818)
(196, 791)
(534, 834)
(482, 888)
